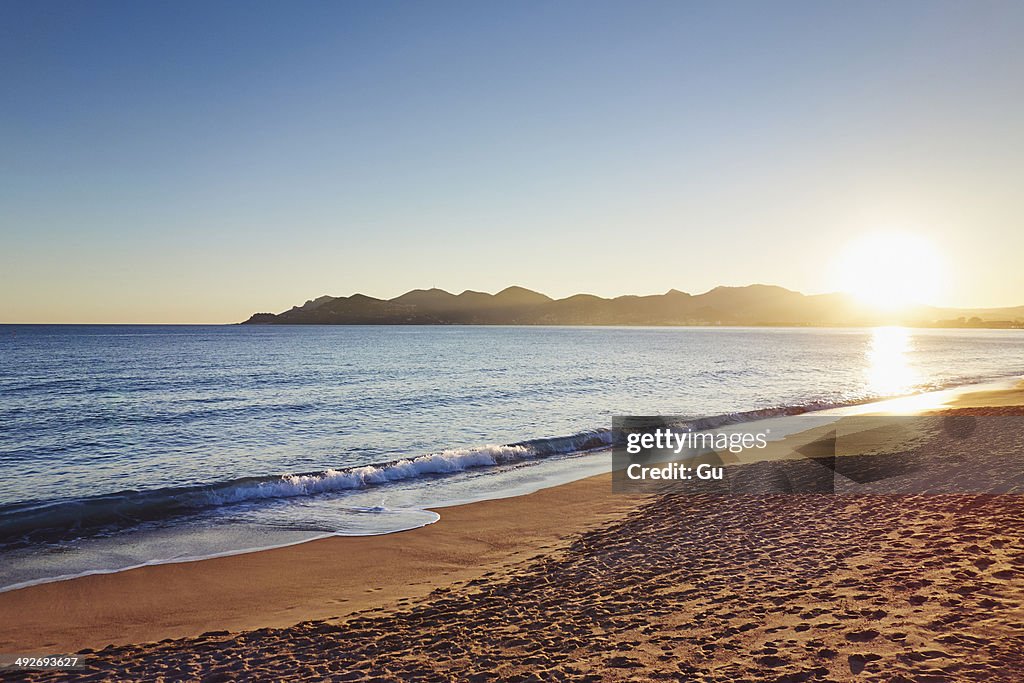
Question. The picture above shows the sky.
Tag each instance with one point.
(195, 162)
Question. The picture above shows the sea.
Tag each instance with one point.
(122, 446)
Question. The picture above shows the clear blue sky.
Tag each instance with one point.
(198, 161)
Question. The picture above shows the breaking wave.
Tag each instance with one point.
(26, 523)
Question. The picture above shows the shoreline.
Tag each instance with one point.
(319, 579)
(331, 578)
(911, 403)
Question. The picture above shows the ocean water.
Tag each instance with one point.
(127, 445)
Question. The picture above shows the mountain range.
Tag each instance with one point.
(750, 305)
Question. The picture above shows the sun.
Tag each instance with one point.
(890, 270)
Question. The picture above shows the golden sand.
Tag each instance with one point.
(576, 583)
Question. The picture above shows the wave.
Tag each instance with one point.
(27, 523)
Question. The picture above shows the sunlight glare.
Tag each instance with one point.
(888, 367)
(889, 271)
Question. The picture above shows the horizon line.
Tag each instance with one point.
(532, 291)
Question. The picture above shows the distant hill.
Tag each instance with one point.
(750, 305)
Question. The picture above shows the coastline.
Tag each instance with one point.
(319, 579)
(315, 585)
(577, 443)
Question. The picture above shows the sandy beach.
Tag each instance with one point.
(512, 341)
(575, 583)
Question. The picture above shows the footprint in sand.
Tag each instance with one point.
(858, 661)
(864, 636)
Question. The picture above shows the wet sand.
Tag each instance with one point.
(575, 583)
(325, 578)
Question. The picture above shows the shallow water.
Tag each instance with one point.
(122, 445)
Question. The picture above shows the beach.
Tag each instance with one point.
(530, 341)
(577, 583)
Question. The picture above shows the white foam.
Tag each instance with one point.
(293, 485)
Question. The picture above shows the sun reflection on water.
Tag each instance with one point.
(889, 371)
